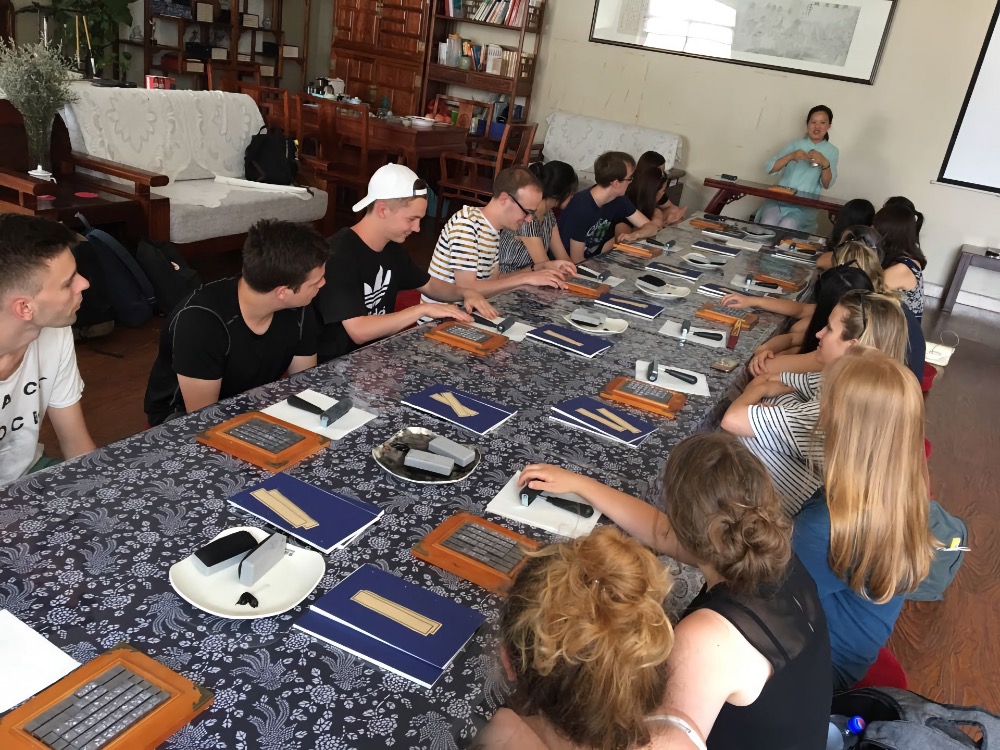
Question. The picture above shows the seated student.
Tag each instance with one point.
(748, 650)
(368, 267)
(866, 235)
(776, 415)
(40, 292)
(671, 213)
(903, 260)
(466, 251)
(866, 540)
(587, 223)
(536, 242)
(586, 613)
(645, 191)
(856, 212)
(240, 333)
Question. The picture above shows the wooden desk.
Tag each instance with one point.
(973, 256)
(733, 190)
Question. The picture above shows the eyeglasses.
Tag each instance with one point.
(525, 211)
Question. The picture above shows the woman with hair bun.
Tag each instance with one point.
(748, 650)
(585, 640)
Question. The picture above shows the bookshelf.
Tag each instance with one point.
(518, 27)
(244, 38)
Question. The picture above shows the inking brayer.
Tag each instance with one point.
(326, 416)
(223, 552)
(528, 495)
(653, 371)
(259, 561)
(685, 329)
(500, 326)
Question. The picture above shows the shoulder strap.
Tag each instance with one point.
(124, 256)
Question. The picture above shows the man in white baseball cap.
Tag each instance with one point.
(368, 267)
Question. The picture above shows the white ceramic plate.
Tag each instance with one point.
(390, 457)
(702, 261)
(611, 325)
(422, 122)
(670, 291)
(758, 233)
(284, 586)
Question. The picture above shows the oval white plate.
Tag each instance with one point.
(611, 325)
(422, 122)
(701, 261)
(670, 291)
(284, 586)
(391, 458)
(758, 233)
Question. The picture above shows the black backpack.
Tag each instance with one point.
(96, 316)
(901, 720)
(171, 276)
(129, 289)
(270, 158)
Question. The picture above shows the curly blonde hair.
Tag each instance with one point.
(588, 638)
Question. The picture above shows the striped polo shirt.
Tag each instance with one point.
(786, 439)
(468, 242)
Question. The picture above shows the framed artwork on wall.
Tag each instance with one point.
(841, 39)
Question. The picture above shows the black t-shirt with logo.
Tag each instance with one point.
(360, 281)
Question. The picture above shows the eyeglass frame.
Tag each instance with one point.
(526, 212)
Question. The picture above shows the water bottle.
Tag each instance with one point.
(844, 732)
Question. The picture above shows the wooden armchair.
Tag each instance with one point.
(274, 104)
(469, 179)
(467, 109)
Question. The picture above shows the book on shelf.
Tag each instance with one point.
(397, 625)
(494, 59)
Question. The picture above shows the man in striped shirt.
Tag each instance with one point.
(466, 251)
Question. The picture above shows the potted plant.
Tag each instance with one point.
(35, 78)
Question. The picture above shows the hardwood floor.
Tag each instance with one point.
(950, 650)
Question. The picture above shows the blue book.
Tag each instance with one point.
(400, 615)
(629, 305)
(717, 290)
(597, 417)
(668, 270)
(570, 340)
(322, 519)
(713, 247)
(368, 648)
(475, 413)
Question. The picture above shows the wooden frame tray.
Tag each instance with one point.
(585, 287)
(474, 340)
(640, 251)
(217, 437)
(617, 390)
(705, 224)
(716, 312)
(186, 701)
(430, 550)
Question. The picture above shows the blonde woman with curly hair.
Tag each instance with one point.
(749, 649)
(585, 640)
(868, 541)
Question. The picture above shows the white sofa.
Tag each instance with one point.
(190, 137)
(579, 139)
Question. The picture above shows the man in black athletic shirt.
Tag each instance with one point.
(236, 334)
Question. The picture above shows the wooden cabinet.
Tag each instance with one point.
(379, 49)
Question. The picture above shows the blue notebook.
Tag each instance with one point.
(322, 519)
(570, 340)
(597, 417)
(475, 413)
(629, 305)
(400, 615)
(668, 270)
(716, 290)
(713, 247)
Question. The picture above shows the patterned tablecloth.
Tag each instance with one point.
(85, 547)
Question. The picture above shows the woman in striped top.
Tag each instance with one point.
(536, 243)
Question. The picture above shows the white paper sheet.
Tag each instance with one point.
(351, 421)
(28, 662)
(665, 380)
(672, 328)
(516, 332)
(541, 514)
(613, 281)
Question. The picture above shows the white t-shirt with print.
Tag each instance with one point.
(47, 377)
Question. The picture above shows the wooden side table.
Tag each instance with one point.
(972, 256)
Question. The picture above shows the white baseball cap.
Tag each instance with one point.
(391, 181)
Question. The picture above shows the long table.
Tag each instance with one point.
(86, 546)
(728, 191)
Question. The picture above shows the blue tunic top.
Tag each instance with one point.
(858, 627)
(804, 177)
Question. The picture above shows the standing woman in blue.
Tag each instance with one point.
(808, 164)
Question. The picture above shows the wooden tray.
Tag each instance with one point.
(811, 247)
(186, 701)
(640, 251)
(665, 404)
(217, 437)
(783, 283)
(430, 550)
(782, 189)
(727, 316)
(472, 339)
(703, 224)
(587, 287)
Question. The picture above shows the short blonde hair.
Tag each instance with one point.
(872, 416)
(876, 320)
(588, 638)
(862, 256)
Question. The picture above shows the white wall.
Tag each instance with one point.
(892, 136)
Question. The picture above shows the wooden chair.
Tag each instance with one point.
(469, 179)
(223, 76)
(274, 104)
(344, 159)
